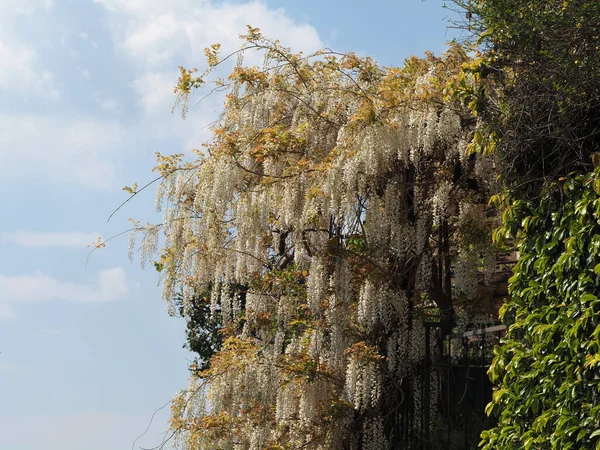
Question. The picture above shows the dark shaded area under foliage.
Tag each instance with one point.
(540, 97)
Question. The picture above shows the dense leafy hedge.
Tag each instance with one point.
(548, 366)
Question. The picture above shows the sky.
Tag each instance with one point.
(88, 351)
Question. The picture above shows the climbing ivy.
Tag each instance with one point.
(548, 366)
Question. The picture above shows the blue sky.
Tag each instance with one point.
(89, 352)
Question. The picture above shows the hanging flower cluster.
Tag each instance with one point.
(324, 219)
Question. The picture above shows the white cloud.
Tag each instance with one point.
(6, 312)
(110, 105)
(72, 239)
(21, 72)
(183, 28)
(75, 150)
(163, 35)
(111, 285)
(21, 67)
(156, 91)
(26, 7)
(156, 40)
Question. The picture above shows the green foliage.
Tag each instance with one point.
(540, 70)
(203, 331)
(547, 368)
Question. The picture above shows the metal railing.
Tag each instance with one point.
(443, 401)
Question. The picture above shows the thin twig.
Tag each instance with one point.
(133, 195)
